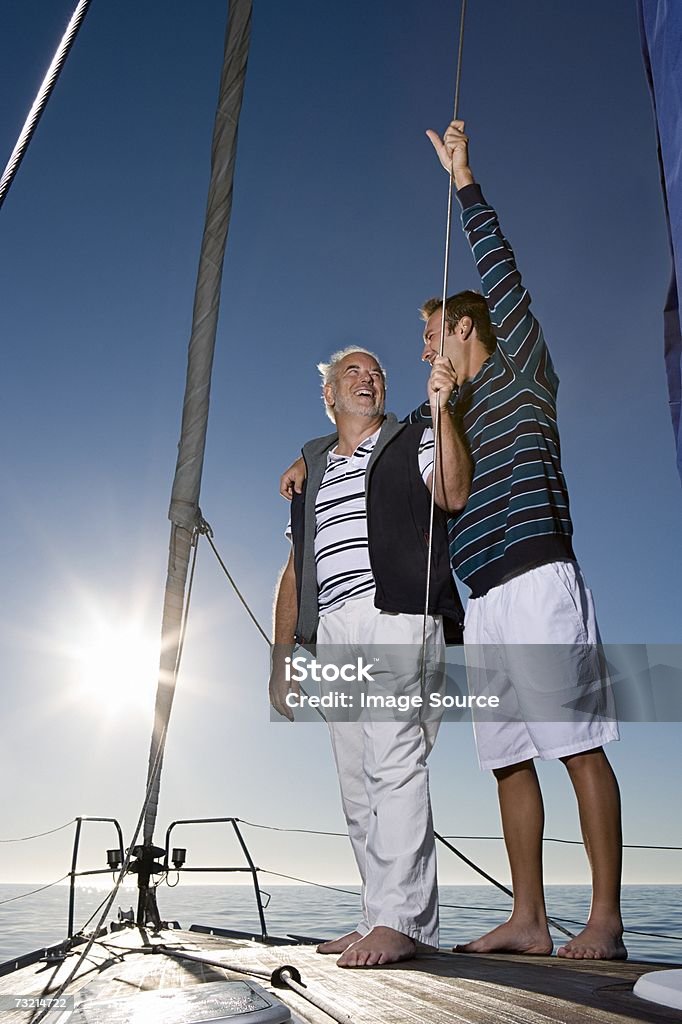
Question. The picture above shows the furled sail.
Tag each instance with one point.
(184, 512)
(661, 30)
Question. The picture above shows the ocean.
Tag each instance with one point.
(40, 920)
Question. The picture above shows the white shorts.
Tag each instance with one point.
(532, 642)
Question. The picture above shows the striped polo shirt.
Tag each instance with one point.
(342, 557)
(517, 516)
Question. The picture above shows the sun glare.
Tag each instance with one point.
(116, 666)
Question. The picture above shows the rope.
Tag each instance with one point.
(40, 102)
(208, 533)
(38, 835)
(205, 528)
(285, 974)
(494, 881)
(572, 842)
(307, 831)
(185, 610)
(436, 419)
(306, 881)
(566, 920)
(547, 839)
(93, 914)
(449, 906)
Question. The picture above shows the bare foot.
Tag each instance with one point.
(380, 946)
(339, 945)
(596, 942)
(510, 937)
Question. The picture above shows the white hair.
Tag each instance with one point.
(330, 371)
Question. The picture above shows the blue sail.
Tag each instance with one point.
(661, 31)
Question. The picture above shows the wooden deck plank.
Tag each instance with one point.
(476, 989)
(442, 988)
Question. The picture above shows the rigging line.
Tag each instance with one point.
(488, 910)
(140, 821)
(546, 839)
(572, 842)
(209, 537)
(553, 921)
(502, 888)
(653, 935)
(566, 920)
(307, 831)
(42, 888)
(306, 881)
(94, 914)
(38, 835)
(206, 530)
(630, 931)
(40, 102)
(185, 610)
(436, 418)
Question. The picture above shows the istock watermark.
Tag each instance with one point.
(493, 682)
(300, 670)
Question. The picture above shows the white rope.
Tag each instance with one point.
(436, 419)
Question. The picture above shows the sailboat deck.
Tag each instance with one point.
(442, 988)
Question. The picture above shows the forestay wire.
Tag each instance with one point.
(436, 418)
(47, 85)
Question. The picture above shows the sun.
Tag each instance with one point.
(115, 666)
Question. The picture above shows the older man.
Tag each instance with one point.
(356, 577)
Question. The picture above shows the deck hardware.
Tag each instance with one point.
(55, 956)
(179, 856)
(250, 867)
(74, 873)
(282, 975)
(114, 859)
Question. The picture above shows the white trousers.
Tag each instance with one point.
(533, 643)
(382, 770)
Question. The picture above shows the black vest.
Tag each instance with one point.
(398, 507)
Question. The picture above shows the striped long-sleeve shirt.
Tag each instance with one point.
(517, 516)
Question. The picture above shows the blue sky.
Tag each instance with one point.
(336, 238)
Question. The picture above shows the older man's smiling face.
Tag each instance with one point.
(358, 386)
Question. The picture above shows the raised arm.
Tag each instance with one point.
(518, 332)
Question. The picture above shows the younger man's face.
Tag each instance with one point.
(432, 331)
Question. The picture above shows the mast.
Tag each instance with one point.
(184, 512)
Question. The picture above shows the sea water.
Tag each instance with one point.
(467, 911)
